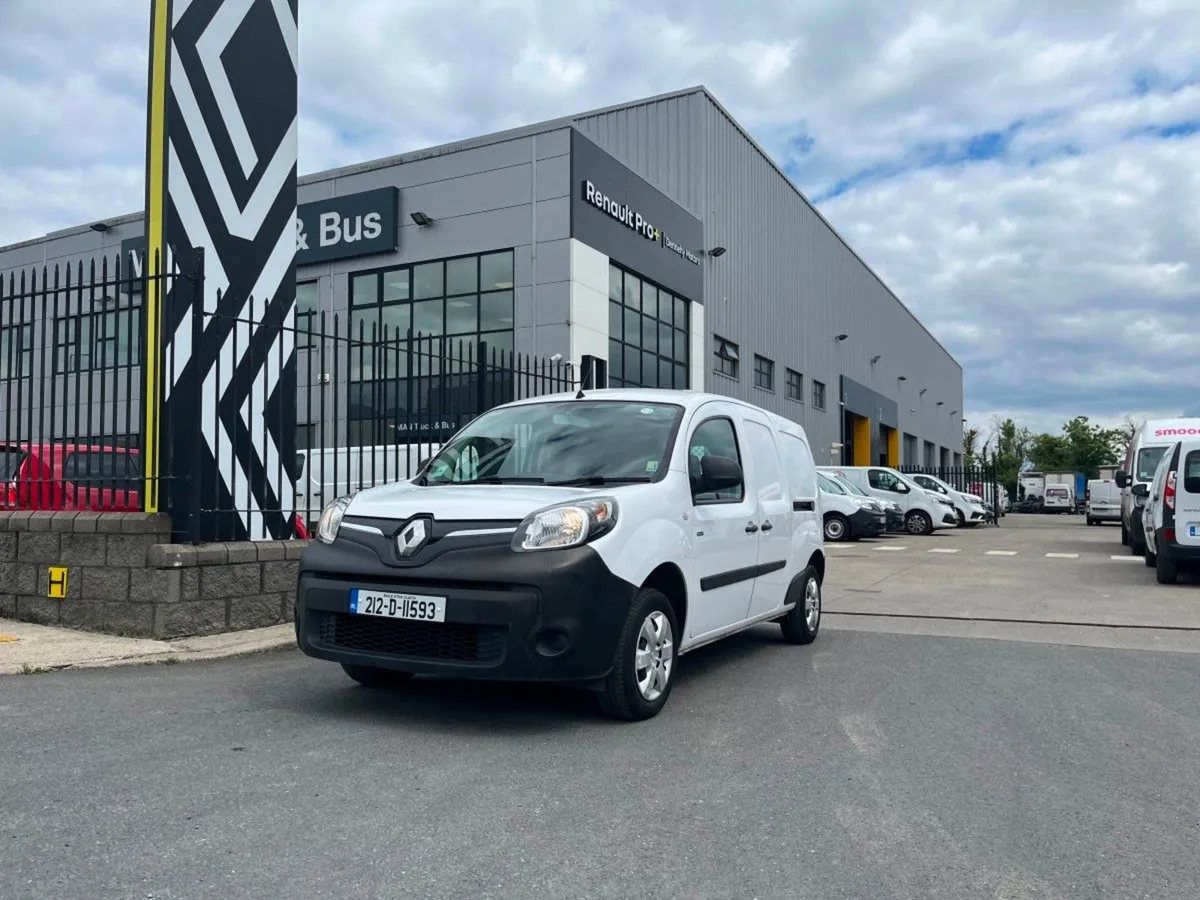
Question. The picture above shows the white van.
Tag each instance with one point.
(969, 507)
(1059, 498)
(923, 512)
(1171, 516)
(1141, 461)
(330, 472)
(590, 540)
(1102, 502)
(845, 516)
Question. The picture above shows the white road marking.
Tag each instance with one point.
(946, 550)
(891, 549)
(864, 733)
(1062, 556)
(1126, 558)
(1002, 553)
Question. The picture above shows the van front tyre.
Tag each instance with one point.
(836, 527)
(803, 621)
(918, 522)
(643, 669)
(1151, 559)
(1165, 570)
(1124, 535)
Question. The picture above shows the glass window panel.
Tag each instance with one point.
(427, 280)
(361, 361)
(496, 271)
(462, 275)
(633, 292)
(364, 289)
(496, 311)
(649, 369)
(681, 377)
(396, 322)
(462, 315)
(364, 324)
(665, 335)
(681, 346)
(633, 328)
(649, 334)
(650, 300)
(614, 283)
(665, 372)
(614, 320)
(427, 317)
(681, 313)
(397, 285)
(308, 297)
(500, 343)
(633, 365)
(666, 307)
(616, 360)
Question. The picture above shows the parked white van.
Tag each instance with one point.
(846, 516)
(591, 540)
(1060, 498)
(968, 506)
(923, 513)
(1171, 516)
(1141, 462)
(1102, 502)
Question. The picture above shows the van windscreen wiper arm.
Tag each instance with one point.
(598, 480)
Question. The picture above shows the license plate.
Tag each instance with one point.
(1194, 530)
(397, 606)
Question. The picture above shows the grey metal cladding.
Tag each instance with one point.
(656, 237)
(788, 282)
(863, 401)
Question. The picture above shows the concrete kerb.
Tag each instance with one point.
(44, 649)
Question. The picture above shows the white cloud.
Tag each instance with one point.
(1064, 273)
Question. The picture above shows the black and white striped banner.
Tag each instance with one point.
(229, 161)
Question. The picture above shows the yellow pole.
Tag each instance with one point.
(155, 264)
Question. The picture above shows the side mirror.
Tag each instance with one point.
(423, 463)
(900, 487)
(1122, 479)
(1141, 490)
(719, 473)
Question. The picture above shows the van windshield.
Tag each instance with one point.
(1147, 462)
(851, 486)
(567, 442)
(829, 485)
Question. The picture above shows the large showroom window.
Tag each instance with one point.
(647, 333)
(452, 305)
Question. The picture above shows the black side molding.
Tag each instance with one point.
(725, 579)
(804, 506)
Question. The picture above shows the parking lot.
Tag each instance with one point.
(898, 756)
(1013, 581)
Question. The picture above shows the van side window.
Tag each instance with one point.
(767, 474)
(881, 480)
(801, 470)
(1191, 473)
(715, 437)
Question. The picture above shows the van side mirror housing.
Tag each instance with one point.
(423, 463)
(1122, 479)
(719, 473)
(900, 487)
(1141, 490)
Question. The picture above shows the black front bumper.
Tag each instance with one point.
(550, 616)
(866, 523)
(895, 520)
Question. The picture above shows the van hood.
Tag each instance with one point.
(467, 502)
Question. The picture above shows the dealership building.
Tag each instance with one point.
(655, 235)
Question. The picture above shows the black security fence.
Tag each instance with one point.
(240, 418)
(981, 480)
(73, 348)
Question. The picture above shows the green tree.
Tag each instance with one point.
(1010, 450)
(970, 447)
(1091, 446)
(1050, 453)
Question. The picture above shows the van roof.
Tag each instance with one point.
(689, 400)
(1166, 431)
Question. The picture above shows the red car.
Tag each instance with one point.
(76, 477)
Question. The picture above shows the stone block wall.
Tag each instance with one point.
(124, 577)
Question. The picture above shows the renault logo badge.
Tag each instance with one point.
(412, 537)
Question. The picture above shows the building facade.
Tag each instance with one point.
(656, 235)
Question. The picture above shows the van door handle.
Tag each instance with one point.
(751, 528)
(767, 526)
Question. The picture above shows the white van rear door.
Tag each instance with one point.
(774, 517)
(1187, 495)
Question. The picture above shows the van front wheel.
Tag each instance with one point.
(918, 522)
(836, 527)
(643, 670)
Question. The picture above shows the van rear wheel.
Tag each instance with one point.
(803, 621)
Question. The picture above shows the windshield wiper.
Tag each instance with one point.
(499, 479)
(599, 480)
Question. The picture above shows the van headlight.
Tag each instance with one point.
(566, 525)
(331, 520)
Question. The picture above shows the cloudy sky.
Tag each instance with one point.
(1025, 175)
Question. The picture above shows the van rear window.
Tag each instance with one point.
(10, 463)
(1191, 472)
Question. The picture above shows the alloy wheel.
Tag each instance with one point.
(654, 658)
(812, 604)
